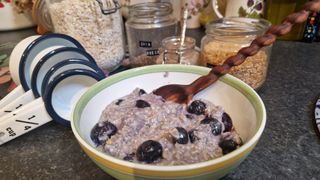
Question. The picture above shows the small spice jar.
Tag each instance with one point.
(224, 37)
(96, 24)
(173, 53)
(147, 25)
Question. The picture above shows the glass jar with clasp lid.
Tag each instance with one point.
(96, 24)
(173, 52)
(148, 24)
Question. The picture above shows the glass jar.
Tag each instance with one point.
(224, 37)
(148, 24)
(96, 24)
(172, 53)
(41, 16)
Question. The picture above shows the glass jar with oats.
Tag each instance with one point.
(226, 36)
(96, 24)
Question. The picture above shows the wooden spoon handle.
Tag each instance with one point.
(265, 40)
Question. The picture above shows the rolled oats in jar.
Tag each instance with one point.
(226, 36)
(96, 24)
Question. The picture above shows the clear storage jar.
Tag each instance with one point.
(224, 37)
(173, 53)
(148, 24)
(96, 24)
(41, 16)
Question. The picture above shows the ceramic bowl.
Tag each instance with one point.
(238, 99)
(11, 19)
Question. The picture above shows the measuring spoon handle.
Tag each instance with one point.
(18, 91)
(17, 103)
(29, 117)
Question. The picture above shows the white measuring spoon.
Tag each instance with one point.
(24, 53)
(40, 68)
(57, 104)
(13, 66)
(40, 81)
(24, 97)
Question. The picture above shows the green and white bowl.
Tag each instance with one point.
(238, 99)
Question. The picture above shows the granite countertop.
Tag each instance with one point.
(289, 147)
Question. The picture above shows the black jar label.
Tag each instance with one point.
(145, 44)
(152, 52)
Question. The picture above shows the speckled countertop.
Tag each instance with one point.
(289, 147)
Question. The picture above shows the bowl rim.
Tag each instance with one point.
(236, 83)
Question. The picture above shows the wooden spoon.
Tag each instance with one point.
(184, 93)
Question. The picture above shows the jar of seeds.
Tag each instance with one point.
(147, 25)
(224, 37)
(96, 24)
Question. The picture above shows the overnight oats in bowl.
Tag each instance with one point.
(131, 134)
(145, 128)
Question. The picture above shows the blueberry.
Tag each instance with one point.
(102, 131)
(197, 107)
(228, 146)
(129, 157)
(215, 125)
(141, 91)
(189, 116)
(142, 104)
(226, 120)
(149, 151)
(182, 136)
(119, 101)
(192, 136)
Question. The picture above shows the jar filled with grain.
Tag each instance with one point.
(96, 24)
(173, 52)
(147, 25)
(224, 37)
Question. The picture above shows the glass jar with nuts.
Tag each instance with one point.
(226, 36)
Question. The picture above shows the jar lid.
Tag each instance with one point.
(238, 26)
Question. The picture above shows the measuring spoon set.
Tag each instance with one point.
(52, 71)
